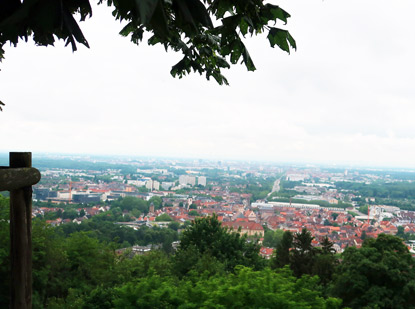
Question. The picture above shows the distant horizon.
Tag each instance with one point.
(293, 164)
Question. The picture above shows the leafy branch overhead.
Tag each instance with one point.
(184, 26)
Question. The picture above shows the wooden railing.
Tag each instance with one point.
(18, 178)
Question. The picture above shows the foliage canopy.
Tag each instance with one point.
(208, 236)
(208, 33)
(76, 266)
(378, 275)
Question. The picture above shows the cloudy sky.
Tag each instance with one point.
(347, 95)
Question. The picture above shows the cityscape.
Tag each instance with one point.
(252, 198)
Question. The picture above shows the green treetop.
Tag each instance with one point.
(207, 236)
(378, 275)
(208, 33)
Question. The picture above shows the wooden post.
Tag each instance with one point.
(21, 237)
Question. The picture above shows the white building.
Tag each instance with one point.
(139, 182)
(183, 179)
(187, 180)
(201, 180)
(167, 185)
(153, 185)
(296, 177)
(63, 195)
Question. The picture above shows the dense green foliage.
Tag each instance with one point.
(193, 213)
(272, 238)
(282, 254)
(106, 231)
(259, 188)
(364, 209)
(77, 270)
(130, 203)
(380, 274)
(286, 184)
(207, 236)
(163, 217)
(60, 264)
(400, 194)
(76, 266)
(243, 289)
(396, 190)
(156, 201)
(303, 258)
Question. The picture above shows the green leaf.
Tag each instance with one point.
(146, 9)
(220, 79)
(153, 40)
(18, 14)
(243, 25)
(183, 11)
(159, 22)
(222, 63)
(199, 13)
(291, 41)
(236, 51)
(281, 38)
(206, 51)
(277, 12)
(230, 23)
(128, 29)
(74, 31)
(180, 68)
(247, 59)
(137, 36)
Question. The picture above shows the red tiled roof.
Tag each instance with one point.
(244, 225)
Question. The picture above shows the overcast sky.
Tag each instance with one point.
(347, 95)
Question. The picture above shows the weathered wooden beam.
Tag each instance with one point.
(21, 237)
(15, 178)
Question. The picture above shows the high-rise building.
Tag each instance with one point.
(201, 180)
(167, 185)
(191, 180)
(187, 180)
(183, 179)
(149, 184)
(153, 185)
